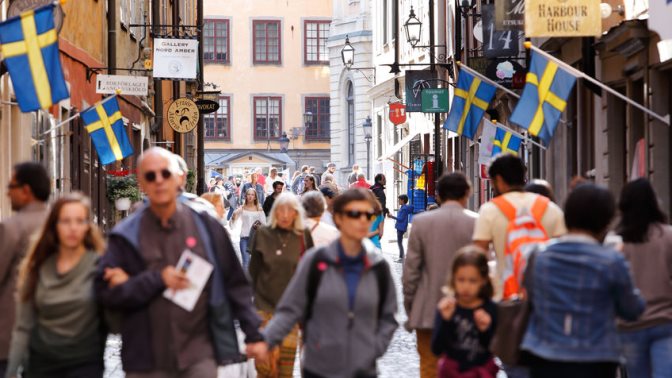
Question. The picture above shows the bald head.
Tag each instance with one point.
(159, 153)
(160, 176)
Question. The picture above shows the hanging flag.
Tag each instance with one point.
(505, 142)
(104, 124)
(487, 142)
(472, 97)
(544, 98)
(30, 50)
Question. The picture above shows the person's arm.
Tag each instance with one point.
(629, 303)
(8, 251)
(23, 327)
(483, 229)
(442, 333)
(381, 227)
(387, 324)
(412, 268)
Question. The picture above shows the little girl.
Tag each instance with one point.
(465, 323)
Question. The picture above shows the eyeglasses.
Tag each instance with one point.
(356, 214)
(151, 175)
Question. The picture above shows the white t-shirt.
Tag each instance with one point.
(322, 233)
(248, 218)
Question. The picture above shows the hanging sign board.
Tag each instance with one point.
(413, 91)
(129, 85)
(183, 115)
(207, 106)
(175, 58)
(397, 113)
(435, 100)
(497, 43)
(510, 15)
(562, 18)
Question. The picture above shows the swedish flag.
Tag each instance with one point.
(30, 49)
(106, 127)
(505, 142)
(544, 98)
(472, 97)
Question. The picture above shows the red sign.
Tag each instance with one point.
(397, 113)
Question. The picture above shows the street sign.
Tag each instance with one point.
(497, 43)
(423, 80)
(207, 106)
(183, 115)
(129, 85)
(175, 58)
(397, 113)
(435, 100)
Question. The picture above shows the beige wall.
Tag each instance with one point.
(292, 80)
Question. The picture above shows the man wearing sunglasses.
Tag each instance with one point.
(160, 338)
(28, 191)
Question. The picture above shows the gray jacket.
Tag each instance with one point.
(335, 347)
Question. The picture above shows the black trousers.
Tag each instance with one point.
(541, 368)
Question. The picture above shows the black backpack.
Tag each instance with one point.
(315, 277)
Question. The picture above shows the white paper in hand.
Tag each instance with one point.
(198, 271)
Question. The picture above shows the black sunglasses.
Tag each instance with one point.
(356, 214)
(151, 176)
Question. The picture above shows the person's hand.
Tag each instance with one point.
(482, 320)
(115, 277)
(258, 350)
(447, 307)
(174, 279)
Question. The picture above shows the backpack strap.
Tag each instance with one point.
(383, 284)
(505, 207)
(314, 277)
(539, 207)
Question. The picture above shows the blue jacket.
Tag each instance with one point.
(404, 212)
(230, 297)
(578, 289)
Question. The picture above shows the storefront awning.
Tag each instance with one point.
(397, 147)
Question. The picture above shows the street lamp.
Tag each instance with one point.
(413, 28)
(307, 119)
(284, 142)
(367, 126)
(348, 54)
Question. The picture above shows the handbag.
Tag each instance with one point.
(512, 318)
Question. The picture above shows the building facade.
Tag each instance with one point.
(273, 79)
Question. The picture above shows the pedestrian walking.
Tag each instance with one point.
(541, 187)
(298, 180)
(270, 180)
(345, 296)
(276, 250)
(378, 188)
(59, 330)
(401, 223)
(316, 177)
(378, 224)
(252, 217)
(254, 184)
(430, 256)
(278, 187)
(160, 338)
(217, 201)
(466, 319)
(647, 342)
(309, 184)
(360, 182)
(354, 175)
(577, 289)
(331, 170)
(328, 215)
(329, 181)
(28, 191)
(314, 205)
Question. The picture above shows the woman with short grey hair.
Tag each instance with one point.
(314, 205)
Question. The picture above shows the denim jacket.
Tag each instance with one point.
(578, 289)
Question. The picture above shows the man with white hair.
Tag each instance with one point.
(160, 338)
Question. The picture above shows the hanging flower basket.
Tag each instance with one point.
(122, 204)
(123, 187)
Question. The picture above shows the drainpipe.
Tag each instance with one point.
(200, 142)
(158, 90)
(177, 137)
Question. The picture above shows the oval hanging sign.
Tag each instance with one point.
(183, 115)
(207, 106)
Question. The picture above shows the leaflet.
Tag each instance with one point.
(198, 271)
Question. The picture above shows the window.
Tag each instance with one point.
(315, 42)
(216, 41)
(266, 41)
(351, 124)
(267, 118)
(319, 107)
(125, 13)
(137, 17)
(217, 124)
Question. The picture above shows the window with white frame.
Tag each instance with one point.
(267, 117)
(216, 41)
(315, 37)
(217, 124)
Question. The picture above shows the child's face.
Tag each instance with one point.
(468, 283)
(401, 202)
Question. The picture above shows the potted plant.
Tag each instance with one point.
(123, 191)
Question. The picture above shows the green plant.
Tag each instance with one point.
(123, 187)
(191, 181)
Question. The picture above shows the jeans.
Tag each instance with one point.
(542, 368)
(230, 213)
(243, 252)
(648, 352)
(88, 370)
(400, 243)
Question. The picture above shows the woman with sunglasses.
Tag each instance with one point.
(252, 216)
(345, 297)
(309, 184)
(58, 330)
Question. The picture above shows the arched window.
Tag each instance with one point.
(351, 124)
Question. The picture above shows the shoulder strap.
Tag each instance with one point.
(314, 279)
(539, 207)
(505, 207)
(382, 279)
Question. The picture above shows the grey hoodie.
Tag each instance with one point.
(334, 346)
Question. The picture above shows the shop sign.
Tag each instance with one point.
(175, 58)
(497, 43)
(423, 79)
(435, 100)
(207, 106)
(129, 85)
(510, 15)
(504, 71)
(397, 113)
(183, 115)
(562, 18)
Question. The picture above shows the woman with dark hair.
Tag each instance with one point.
(309, 184)
(58, 330)
(344, 295)
(378, 225)
(647, 245)
(577, 289)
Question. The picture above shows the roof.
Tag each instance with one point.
(221, 158)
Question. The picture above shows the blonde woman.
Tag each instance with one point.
(216, 200)
(58, 329)
(276, 250)
(252, 216)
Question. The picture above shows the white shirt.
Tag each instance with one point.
(248, 218)
(322, 233)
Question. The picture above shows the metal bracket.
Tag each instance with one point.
(367, 77)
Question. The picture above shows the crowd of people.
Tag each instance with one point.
(308, 277)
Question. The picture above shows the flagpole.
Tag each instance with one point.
(60, 124)
(519, 135)
(476, 73)
(575, 72)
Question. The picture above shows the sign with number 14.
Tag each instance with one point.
(497, 43)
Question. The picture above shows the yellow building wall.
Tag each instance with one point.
(84, 26)
(292, 79)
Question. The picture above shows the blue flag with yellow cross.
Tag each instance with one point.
(30, 50)
(547, 87)
(108, 133)
(472, 98)
(505, 142)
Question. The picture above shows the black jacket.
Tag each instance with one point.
(379, 191)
